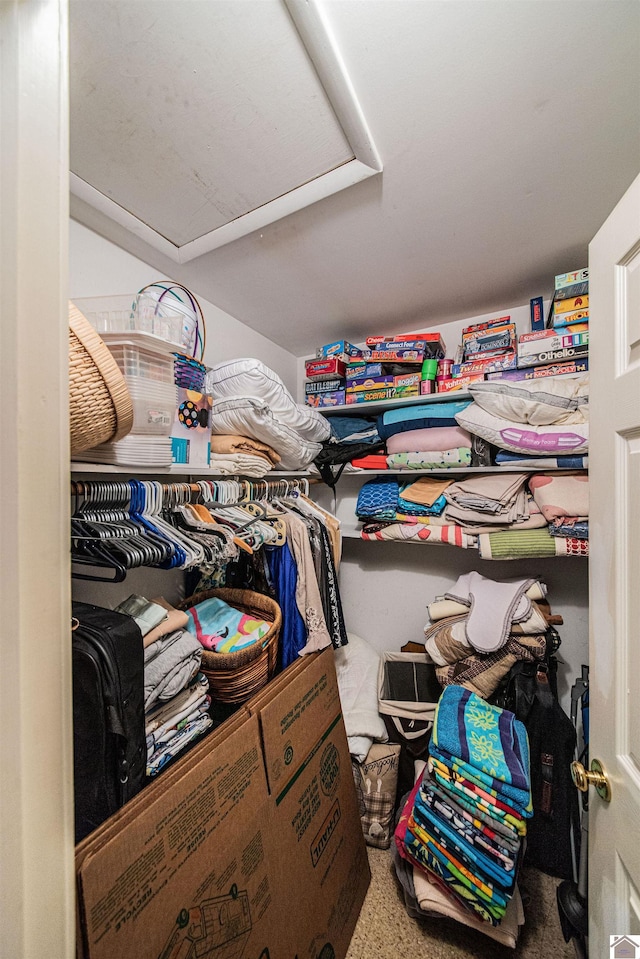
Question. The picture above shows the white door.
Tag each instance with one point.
(614, 651)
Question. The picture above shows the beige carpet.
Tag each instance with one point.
(385, 931)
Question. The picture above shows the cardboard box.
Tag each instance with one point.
(564, 280)
(341, 349)
(325, 400)
(460, 383)
(323, 386)
(256, 825)
(536, 313)
(506, 361)
(395, 356)
(489, 324)
(327, 369)
(571, 304)
(568, 319)
(544, 357)
(409, 338)
(491, 340)
(550, 340)
(358, 370)
(370, 383)
(572, 369)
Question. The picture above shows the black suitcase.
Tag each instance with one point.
(108, 713)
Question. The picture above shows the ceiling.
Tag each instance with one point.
(506, 133)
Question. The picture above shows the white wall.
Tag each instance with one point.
(100, 271)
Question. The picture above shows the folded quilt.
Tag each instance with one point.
(421, 416)
(419, 533)
(576, 528)
(234, 463)
(561, 494)
(424, 491)
(378, 498)
(484, 740)
(224, 629)
(514, 544)
(426, 440)
(163, 735)
(517, 460)
(169, 665)
(435, 460)
(231, 443)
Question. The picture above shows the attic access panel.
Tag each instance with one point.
(194, 123)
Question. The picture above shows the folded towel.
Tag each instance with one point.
(224, 629)
(488, 740)
(226, 443)
(424, 491)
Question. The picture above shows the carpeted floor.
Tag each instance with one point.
(385, 931)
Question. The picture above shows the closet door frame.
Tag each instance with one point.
(36, 785)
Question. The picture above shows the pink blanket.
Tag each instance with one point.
(427, 440)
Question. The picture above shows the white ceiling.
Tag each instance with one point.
(507, 132)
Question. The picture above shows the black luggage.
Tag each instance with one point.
(108, 713)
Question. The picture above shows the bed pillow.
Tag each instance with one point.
(545, 402)
(525, 437)
(250, 416)
(249, 377)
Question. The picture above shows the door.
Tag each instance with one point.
(614, 646)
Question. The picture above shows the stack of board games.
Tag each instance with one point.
(387, 367)
(566, 337)
(486, 348)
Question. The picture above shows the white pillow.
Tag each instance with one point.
(249, 377)
(540, 402)
(560, 440)
(249, 416)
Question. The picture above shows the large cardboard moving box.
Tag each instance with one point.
(250, 846)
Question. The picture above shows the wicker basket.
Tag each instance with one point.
(100, 407)
(235, 677)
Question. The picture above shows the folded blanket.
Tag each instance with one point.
(192, 730)
(426, 440)
(375, 461)
(561, 494)
(488, 741)
(434, 460)
(514, 544)
(357, 666)
(181, 704)
(408, 508)
(569, 527)
(420, 416)
(233, 463)
(419, 533)
(352, 429)
(231, 443)
(517, 460)
(378, 498)
(224, 629)
(482, 673)
(424, 491)
(169, 665)
(491, 494)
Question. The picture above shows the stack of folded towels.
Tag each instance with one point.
(176, 693)
(463, 824)
(408, 511)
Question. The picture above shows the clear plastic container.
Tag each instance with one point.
(136, 362)
(154, 406)
(162, 313)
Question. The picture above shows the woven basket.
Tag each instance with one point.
(100, 407)
(235, 677)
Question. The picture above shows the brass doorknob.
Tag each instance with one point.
(597, 777)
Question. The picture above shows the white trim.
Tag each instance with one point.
(316, 36)
(36, 749)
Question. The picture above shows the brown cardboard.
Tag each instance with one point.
(208, 863)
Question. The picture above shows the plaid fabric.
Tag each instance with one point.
(377, 820)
